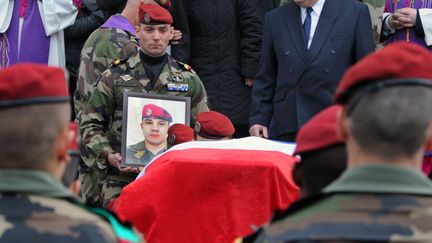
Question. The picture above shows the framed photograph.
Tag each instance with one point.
(146, 119)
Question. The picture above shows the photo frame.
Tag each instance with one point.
(149, 116)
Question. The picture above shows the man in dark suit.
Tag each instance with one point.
(307, 45)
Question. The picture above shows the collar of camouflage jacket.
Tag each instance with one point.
(381, 178)
(33, 182)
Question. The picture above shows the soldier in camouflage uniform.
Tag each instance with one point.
(376, 10)
(114, 40)
(150, 71)
(386, 122)
(34, 139)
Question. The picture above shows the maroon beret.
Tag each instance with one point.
(156, 112)
(179, 133)
(319, 132)
(28, 84)
(152, 14)
(398, 62)
(213, 125)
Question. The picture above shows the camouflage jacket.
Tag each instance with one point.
(138, 154)
(101, 124)
(35, 207)
(372, 203)
(376, 10)
(102, 47)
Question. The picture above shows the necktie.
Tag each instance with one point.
(307, 24)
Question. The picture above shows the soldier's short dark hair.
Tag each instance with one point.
(28, 133)
(319, 168)
(391, 122)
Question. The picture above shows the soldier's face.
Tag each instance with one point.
(154, 39)
(155, 131)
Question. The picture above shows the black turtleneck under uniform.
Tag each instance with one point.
(153, 67)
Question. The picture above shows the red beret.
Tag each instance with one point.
(180, 133)
(319, 132)
(395, 61)
(213, 125)
(28, 84)
(152, 14)
(156, 112)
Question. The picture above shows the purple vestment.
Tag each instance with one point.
(119, 22)
(33, 45)
(401, 35)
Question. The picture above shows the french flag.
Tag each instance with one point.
(213, 191)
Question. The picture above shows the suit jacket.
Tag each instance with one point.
(294, 83)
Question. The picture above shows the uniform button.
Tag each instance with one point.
(287, 53)
(291, 70)
(326, 69)
(332, 51)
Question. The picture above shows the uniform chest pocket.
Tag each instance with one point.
(121, 86)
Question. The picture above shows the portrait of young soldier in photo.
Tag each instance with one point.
(154, 126)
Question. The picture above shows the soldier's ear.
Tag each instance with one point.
(137, 28)
(342, 124)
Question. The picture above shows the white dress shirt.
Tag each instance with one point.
(315, 14)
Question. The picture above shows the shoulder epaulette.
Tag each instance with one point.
(185, 66)
(117, 62)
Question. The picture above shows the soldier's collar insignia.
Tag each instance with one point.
(139, 154)
(126, 77)
(197, 127)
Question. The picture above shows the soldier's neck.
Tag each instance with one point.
(153, 60)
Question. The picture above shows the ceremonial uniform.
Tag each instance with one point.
(114, 40)
(37, 208)
(363, 205)
(102, 123)
(34, 205)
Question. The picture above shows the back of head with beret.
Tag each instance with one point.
(319, 132)
(179, 133)
(213, 125)
(27, 84)
(396, 63)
